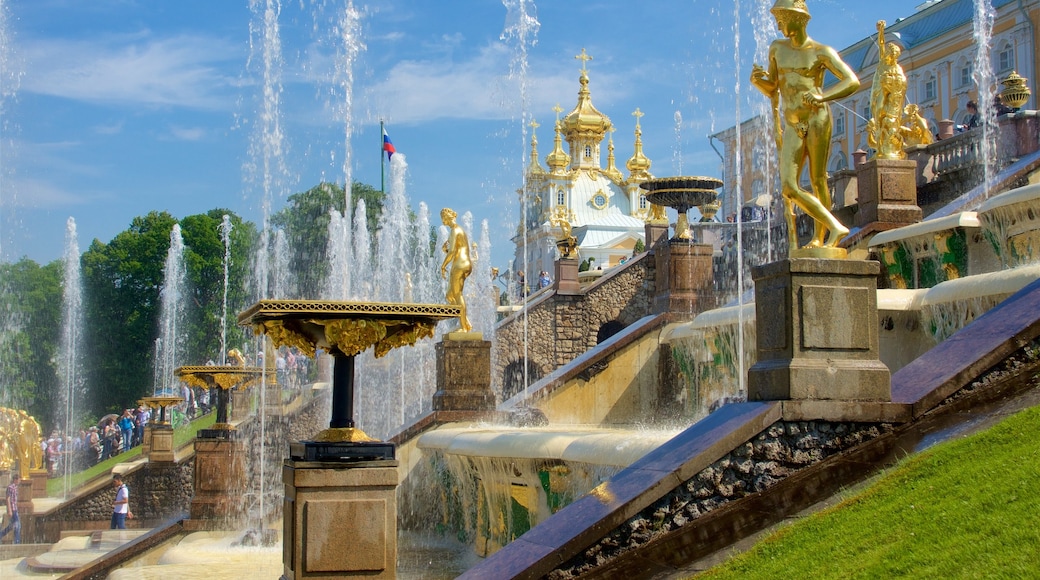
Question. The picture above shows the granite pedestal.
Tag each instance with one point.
(161, 444)
(567, 276)
(463, 373)
(684, 277)
(817, 332)
(219, 476)
(340, 520)
(887, 192)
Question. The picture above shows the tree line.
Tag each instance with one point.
(121, 285)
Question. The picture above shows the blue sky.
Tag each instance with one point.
(113, 108)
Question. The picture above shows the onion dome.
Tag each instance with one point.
(639, 165)
(584, 121)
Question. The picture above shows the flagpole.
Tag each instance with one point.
(382, 160)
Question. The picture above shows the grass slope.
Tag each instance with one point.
(967, 508)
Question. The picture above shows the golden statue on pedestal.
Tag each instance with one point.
(566, 243)
(793, 81)
(457, 252)
(887, 94)
(915, 128)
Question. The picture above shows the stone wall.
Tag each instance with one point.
(560, 328)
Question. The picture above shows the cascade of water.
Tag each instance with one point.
(170, 345)
(982, 74)
(10, 79)
(392, 236)
(281, 286)
(481, 304)
(337, 285)
(267, 152)
(225, 236)
(677, 152)
(362, 260)
(69, 364)
(521, 28)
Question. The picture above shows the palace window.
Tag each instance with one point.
(930, 89)
(966, 71)
(839, 124)
(561, 198)
(1006, 58)
(588, 152)
(642, 202)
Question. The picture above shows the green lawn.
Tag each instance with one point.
(967, 508)
(181, 436)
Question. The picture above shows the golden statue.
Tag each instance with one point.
(235, 358)
(566, 243)
(794, 84)
(885, 128)
(915, 128)
(457, 252)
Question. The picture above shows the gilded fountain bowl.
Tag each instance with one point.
(682, 192)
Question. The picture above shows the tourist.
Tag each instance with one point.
(140, 420)
(544, 281)
(13, 523)
(126, 428)
(121, 505)
(973, 119)
(794, 81)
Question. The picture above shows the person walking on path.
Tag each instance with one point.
(121, 505)
(13, 523)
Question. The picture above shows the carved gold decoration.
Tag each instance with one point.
(793, 81)
(224, 377)
(1015, 92)
(885, 128)
(20, 439)
(161, 403)
(337, 326)
(600, 200)
(566, 243)
(681, 193)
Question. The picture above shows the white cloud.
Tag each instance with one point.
(34, 193)
(187, 133)
(179, 70)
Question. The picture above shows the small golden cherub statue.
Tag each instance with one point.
(566, 243)
(915, 127)
(793, 81)
(457, 255)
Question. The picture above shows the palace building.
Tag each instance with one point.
(604, 207)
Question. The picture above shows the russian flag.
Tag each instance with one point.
(388, 146)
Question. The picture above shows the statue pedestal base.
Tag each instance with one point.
(38, 477)
(817, 332)
(219, 476)
(684, 277)
(887, 192)
(340, 520)
(161, 445)
(240, 399)
(463, 375)
(567, 276)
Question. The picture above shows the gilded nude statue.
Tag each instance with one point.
(887, 94)
(457, 255)
(793, 80)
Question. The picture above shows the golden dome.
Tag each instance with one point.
(638, 165)
(584, 120)
(558, 160)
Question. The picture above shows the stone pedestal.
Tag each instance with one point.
(817, 332)
(684, 277)
(888, 192)
(146, 440)
(463, 374)
(340, 520)
(655, 233)
(567, 276)
(240, 403)
(26, 510)
(161, 447)
(38, 477)
(219, 476)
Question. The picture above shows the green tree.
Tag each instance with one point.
(204, 262)
(121, 281)
(639, 247)
(305, 222)
(30, 332)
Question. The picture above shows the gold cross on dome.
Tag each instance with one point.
(558, 109)
(584, 58)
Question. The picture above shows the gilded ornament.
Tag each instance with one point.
(1015, 92)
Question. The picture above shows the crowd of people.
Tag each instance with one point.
(114, 434)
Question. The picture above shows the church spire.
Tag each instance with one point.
(558, 160)
(612, 169)
(638, 166)
(534, 168)
(584, 127)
